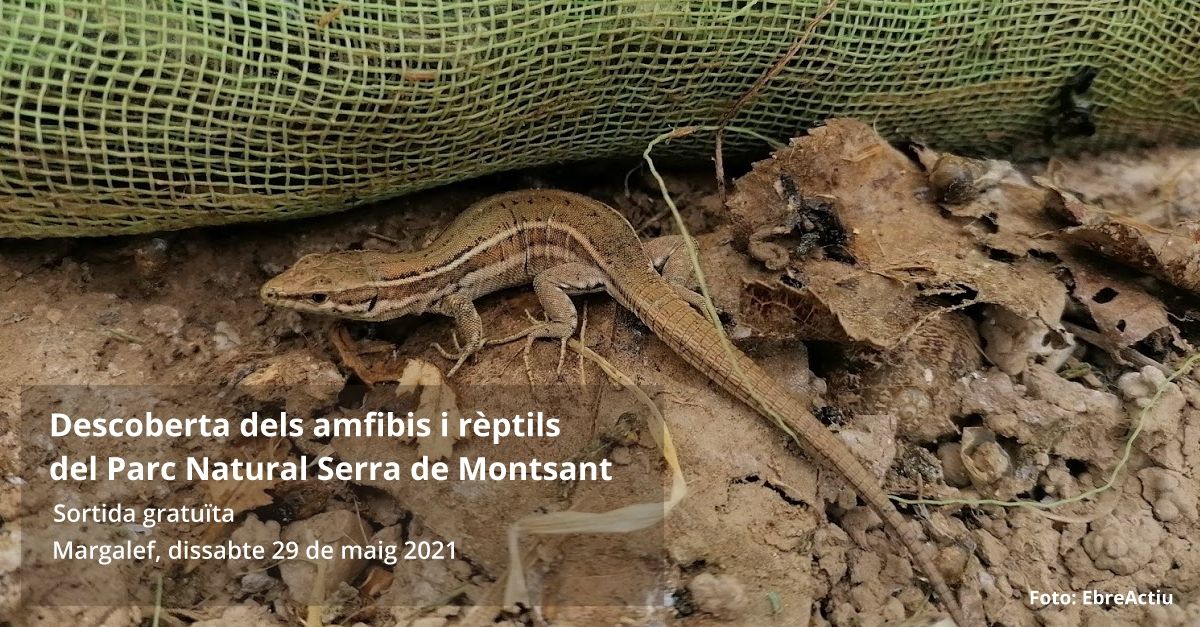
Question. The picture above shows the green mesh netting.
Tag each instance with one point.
(121, 116)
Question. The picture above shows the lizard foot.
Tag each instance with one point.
(460, 355)
(536, 330)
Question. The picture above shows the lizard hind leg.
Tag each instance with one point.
(669, 255)
(553, 288)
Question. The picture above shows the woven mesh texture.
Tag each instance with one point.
(121, 116)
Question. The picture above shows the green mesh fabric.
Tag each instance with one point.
(122, 116)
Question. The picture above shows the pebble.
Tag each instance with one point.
(164, 320)
(252, 583)
(953, 469)
(226, 337)
(254, 532)
(991, 551)
(108, 317)
(719, 595)
(330, 529)
(383, 509)
(298, 379)
(150, 258)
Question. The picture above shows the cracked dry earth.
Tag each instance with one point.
(993, 410)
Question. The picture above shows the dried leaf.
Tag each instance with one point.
(434, 397)
(777, 310)
(1121, 309)
(241, 496)
(914, 380)
(839, 303)
(892, 250)
(384, 365)
(376, 582)
(1173, 256)
(1022, 218)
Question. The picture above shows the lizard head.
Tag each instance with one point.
(344, 284)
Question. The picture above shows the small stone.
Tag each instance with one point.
(108, 317)
(332, 529)
(952, 562)
(225, 337)
(297, 379)
(388, 536)
(991, 550)
(1161, 419)
(984, 459)
(291, 322)
(864, 598)
(252, 532)
(343, 601)
(719, 595)
(1124, 544)
(150, 258)
(873, 438)
(991, 460)
(253, 583)
(620, 456)
(1170, 493)
(55, 316)
(383, 508)
(865, 567)
(897, 568)
(950, 454)
(162, 319)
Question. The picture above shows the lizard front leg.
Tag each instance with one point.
(467, 324)
(553, 288)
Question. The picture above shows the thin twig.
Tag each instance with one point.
(583, 341)
(124, 336)
(158, 594)
(385, 238)
(693, 252)
(1127, 353)
(752, 93)
(1096, 339)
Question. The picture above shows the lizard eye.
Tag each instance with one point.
(318, 298)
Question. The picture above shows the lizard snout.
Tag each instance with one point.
(268, 292)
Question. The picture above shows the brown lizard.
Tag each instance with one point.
(565, 244)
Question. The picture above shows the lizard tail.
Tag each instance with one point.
(695, 339)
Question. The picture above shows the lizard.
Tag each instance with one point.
(566, 244)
